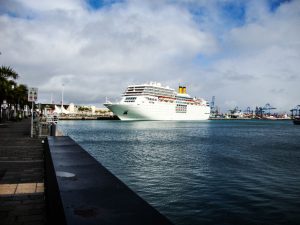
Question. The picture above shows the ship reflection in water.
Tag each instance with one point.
(209, 172)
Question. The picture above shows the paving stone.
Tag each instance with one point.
(21, 172)
(40, 187)
(26, 188)
(7, 189)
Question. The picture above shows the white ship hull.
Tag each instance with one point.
(155, 102)
(158, 111)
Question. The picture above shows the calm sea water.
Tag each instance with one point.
(212, 172)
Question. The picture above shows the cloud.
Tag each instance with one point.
(267, 49)
(44, 6)
(97, 52)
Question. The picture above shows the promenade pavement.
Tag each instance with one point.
(22, 199)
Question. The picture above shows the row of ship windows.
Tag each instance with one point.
(181, 108)
(151, 99)
(149, 93)
(188, 103)
(150, 90)
(130, 99)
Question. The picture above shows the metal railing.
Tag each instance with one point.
(45, 126)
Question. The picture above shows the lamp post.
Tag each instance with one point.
(14, 113)
(32, 97)
(62, 98)
(3, 111)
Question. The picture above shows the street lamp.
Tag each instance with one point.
(3, 110)
(62, 98)
(14, 106)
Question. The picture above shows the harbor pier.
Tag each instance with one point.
(58, 182)
(84, 192)
(22, 199)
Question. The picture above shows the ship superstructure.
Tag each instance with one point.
(153, 101)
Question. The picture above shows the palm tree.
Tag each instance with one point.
(20, 98)
(7, 84)
(8, 73)
(7, 77)
(21, 95)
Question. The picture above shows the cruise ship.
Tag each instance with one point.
(153, 101)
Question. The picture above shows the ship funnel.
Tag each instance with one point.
(183, 90)
(180, 90)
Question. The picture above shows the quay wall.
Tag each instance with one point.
(79, 190)
(80, 117)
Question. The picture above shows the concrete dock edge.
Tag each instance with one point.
(55, 211)
(79, 190)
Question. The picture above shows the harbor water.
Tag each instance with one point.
(211, 172)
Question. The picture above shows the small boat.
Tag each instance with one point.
(296, 121)
(296, 115)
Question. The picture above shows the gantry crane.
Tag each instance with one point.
(267, 109)
(295, 111)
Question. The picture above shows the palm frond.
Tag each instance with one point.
(8, 73)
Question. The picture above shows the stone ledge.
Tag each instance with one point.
(79, 190)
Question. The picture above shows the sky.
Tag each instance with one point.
(246, 53)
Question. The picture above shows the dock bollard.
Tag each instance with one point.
(53, 129)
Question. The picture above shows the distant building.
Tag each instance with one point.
(73, 110)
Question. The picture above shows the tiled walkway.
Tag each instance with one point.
(23, 188)
(22, 199)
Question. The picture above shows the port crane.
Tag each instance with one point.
(212, 103)
(235, 110)
(259, 112)
(213, 109)
(268, 108)
(235, 113)
(248, 110)
(295, 111)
